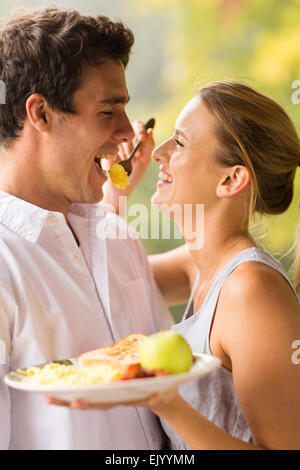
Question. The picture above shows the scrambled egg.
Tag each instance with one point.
(62, 374)
(118, 176)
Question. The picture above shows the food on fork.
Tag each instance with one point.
(114, 171)
(118, 176)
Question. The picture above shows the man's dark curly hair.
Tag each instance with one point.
(42, 51)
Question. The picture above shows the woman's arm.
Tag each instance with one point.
(196, 430)
(258, 318)
(140, 162)
(261, 322)
(174, 272)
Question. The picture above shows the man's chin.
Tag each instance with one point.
(97, 198)
(93, 198)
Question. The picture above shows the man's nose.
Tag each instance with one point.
(124, 131)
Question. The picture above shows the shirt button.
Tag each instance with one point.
(77, 259)
(52, 219)
(152, 435)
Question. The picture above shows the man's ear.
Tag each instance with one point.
(38, 112)
(234, 180)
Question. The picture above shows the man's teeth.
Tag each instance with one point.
(98, 162)
(108, 156)
(164, 177)
(104, 161)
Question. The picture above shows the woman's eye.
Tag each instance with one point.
(107, 113)
(178, 143)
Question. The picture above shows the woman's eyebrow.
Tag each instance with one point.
(180, 132)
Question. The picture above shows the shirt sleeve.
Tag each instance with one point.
(7, 308)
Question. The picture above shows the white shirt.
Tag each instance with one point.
(58, 300)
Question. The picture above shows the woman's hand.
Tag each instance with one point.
(140, 163)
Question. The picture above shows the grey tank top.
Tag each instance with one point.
(214, 395)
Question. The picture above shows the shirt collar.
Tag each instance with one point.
(27, 220)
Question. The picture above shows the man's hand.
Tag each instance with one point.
(140, 163)
(158, 402)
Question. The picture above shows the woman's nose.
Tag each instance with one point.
(162, 153)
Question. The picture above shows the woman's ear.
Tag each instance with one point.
(38, 112)
(234, 180)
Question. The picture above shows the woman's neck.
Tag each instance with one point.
(223, 237)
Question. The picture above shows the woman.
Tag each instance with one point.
(236, 152)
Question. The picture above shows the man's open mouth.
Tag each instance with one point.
(104, 161)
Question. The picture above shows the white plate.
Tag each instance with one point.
(119, 391)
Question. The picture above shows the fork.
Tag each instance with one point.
(126, 164)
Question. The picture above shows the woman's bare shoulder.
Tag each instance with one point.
(260, 282)
(257, 300)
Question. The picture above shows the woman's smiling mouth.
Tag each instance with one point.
(164, 177)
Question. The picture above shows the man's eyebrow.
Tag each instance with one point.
(180, 132)
(113, 101)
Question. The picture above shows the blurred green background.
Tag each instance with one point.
(181, 44)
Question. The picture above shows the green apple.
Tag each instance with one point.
(166, 350)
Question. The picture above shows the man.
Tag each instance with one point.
(65, 288)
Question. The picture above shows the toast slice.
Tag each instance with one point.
(125, 352)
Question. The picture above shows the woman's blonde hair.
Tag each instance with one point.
(256, 132)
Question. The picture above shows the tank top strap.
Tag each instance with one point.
(253, 254)
(189, 307)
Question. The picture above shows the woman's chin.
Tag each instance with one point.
(162, 195)
(156, 199)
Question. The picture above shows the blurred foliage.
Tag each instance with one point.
(250, 40)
